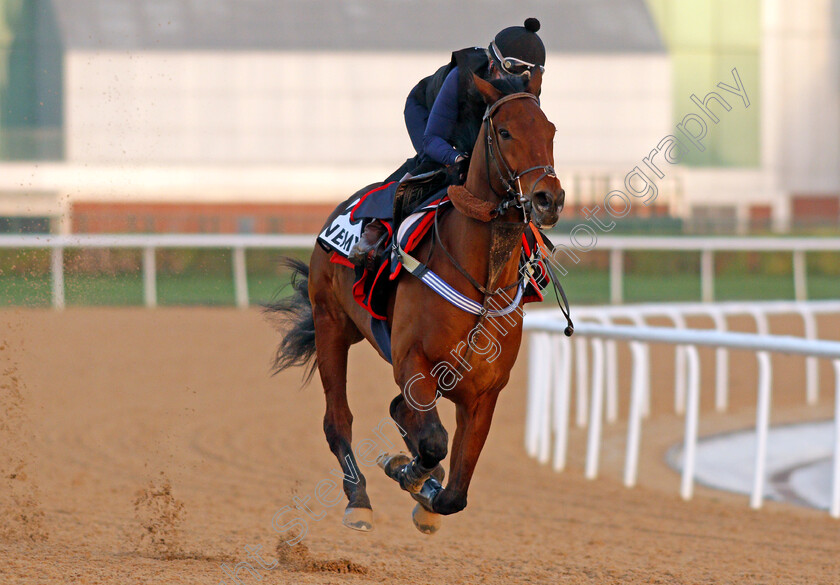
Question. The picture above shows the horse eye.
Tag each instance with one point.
(504, 134)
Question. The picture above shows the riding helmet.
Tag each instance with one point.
(522, 42)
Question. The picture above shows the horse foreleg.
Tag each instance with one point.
(470, 435)
(332, 345)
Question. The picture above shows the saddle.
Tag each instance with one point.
(413, 191)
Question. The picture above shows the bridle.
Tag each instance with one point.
(513, 197)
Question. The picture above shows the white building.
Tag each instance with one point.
(295, 102)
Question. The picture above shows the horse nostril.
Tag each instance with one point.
(561, 200)
(543, 200)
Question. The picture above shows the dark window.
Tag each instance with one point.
(245, 225)
(24, 225)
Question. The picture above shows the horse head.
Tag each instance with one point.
(516, 147)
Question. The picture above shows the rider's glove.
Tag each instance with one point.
(457, 171)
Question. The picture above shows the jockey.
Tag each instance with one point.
(443, 112)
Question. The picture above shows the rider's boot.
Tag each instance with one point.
(365, 251)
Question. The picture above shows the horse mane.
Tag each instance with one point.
(508, 84)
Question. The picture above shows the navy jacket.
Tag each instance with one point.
(443, 112)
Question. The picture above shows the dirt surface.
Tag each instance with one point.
(152, 446)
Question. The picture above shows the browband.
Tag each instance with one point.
(508, 98)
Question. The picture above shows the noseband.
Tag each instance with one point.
(514, 197)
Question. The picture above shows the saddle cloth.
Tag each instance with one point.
(345, 230)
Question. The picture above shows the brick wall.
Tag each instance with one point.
(815, 210)
(188, 218)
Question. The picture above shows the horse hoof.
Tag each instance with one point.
(425, 521)
(360, 519)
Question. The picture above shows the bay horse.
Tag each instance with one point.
(510, 182)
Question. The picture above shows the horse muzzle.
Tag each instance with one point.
(546, 207)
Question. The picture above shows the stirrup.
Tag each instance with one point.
(374, 253)
(359, 256)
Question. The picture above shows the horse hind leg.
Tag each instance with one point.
(334, 333)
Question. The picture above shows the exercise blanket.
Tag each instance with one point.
(345, 230)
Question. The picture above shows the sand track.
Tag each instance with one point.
(112, 398)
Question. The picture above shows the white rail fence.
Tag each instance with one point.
(616, 245)
(149, 244)
(677, 313)
(707, 246)
(549, 391)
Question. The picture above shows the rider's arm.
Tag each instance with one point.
(442, 119)
(416, 116)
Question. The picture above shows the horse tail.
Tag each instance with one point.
(292, 316)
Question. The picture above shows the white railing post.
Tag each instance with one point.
(57, 270)
(149, 277)
(679, 379)
(611, 372)
(639, 321)
(721, 365)
(596, 410)
(562, 350)
(834, 510)
(536, 367)
(800, 275)
(612, 380)
(812, 366)
(761, 427)
(240, 277)
(762, 326)
(707, 275)
(616, 276)
(582, 395)
(641, 378)
(544, 412)
(679, 365)
(691, 419)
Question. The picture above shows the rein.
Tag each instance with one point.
(483, 290)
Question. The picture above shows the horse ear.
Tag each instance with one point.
(535, 83)
(490, 94)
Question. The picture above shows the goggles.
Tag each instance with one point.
(513, 66)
